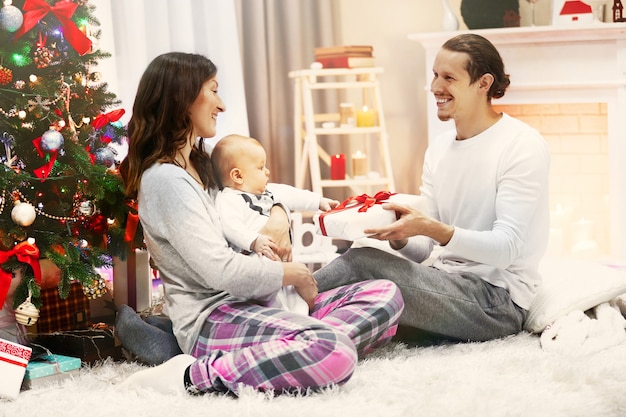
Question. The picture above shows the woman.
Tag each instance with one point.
(215, 296)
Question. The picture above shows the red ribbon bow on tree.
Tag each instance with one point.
(25, 252)
(106, 118)
(35, 10)
(44, 171)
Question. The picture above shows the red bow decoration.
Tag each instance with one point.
(363, 200)
(132, 221)
(35, 10)
(44, 171)
(106, 118)
(98, 224)
(25, 252)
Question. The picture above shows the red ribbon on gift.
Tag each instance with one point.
(35, 10)
(25, 252)
(363, 202)
(106, 118)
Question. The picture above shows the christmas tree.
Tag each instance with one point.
(61, 197)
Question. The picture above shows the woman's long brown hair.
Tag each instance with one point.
(161, 124)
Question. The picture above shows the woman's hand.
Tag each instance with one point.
(300, 277)
(277, 227)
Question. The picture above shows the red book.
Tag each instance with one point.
(346, 61)
(356, 50)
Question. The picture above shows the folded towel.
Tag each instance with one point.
(586, 332)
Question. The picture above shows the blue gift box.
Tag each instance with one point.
(51, 365)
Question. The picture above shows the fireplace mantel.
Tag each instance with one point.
(532, 35)
(560, 64)
(551, 57)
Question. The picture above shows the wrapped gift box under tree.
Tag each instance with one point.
(48, 369)
(13, 361)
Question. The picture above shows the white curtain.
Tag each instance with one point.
(136, 31)
(254, 43)
(279, 36)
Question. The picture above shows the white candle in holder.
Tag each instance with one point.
(359, 164)
(560, 220)
(556, 242)
(582, 230)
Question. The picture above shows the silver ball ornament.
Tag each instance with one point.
(23, 214)
(105, 156)
(11, 18)
(51, 141)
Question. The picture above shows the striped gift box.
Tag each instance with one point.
(13, 361)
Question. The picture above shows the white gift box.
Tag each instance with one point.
(13, 360)
(354, 215)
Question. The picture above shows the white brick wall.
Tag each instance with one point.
(577, 135)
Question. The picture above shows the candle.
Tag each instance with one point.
(346, 115)
(338, 167)
(359, 164)
(585, 249)
(560, 217)
(556, 242)
(582, 230)
(366, 117)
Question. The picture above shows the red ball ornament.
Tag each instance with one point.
(6, 75)
(98, 224)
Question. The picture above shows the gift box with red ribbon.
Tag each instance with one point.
(13, 361)
(356, 214)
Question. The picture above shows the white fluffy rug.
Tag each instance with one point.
(508, 377)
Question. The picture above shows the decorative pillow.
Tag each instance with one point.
(572, 284)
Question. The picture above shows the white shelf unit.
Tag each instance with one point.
(308, 129)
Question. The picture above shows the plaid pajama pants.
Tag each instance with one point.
(273, 349)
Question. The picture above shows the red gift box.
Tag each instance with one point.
(13, 361)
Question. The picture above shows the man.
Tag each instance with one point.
(487, 186)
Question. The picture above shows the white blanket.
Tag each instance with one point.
(587, 332)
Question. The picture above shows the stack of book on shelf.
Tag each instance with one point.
(345, 56)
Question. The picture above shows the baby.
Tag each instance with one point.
(246, 198)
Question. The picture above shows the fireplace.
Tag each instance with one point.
(569, 82)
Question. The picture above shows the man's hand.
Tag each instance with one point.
(411, 222)
(327, 204)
